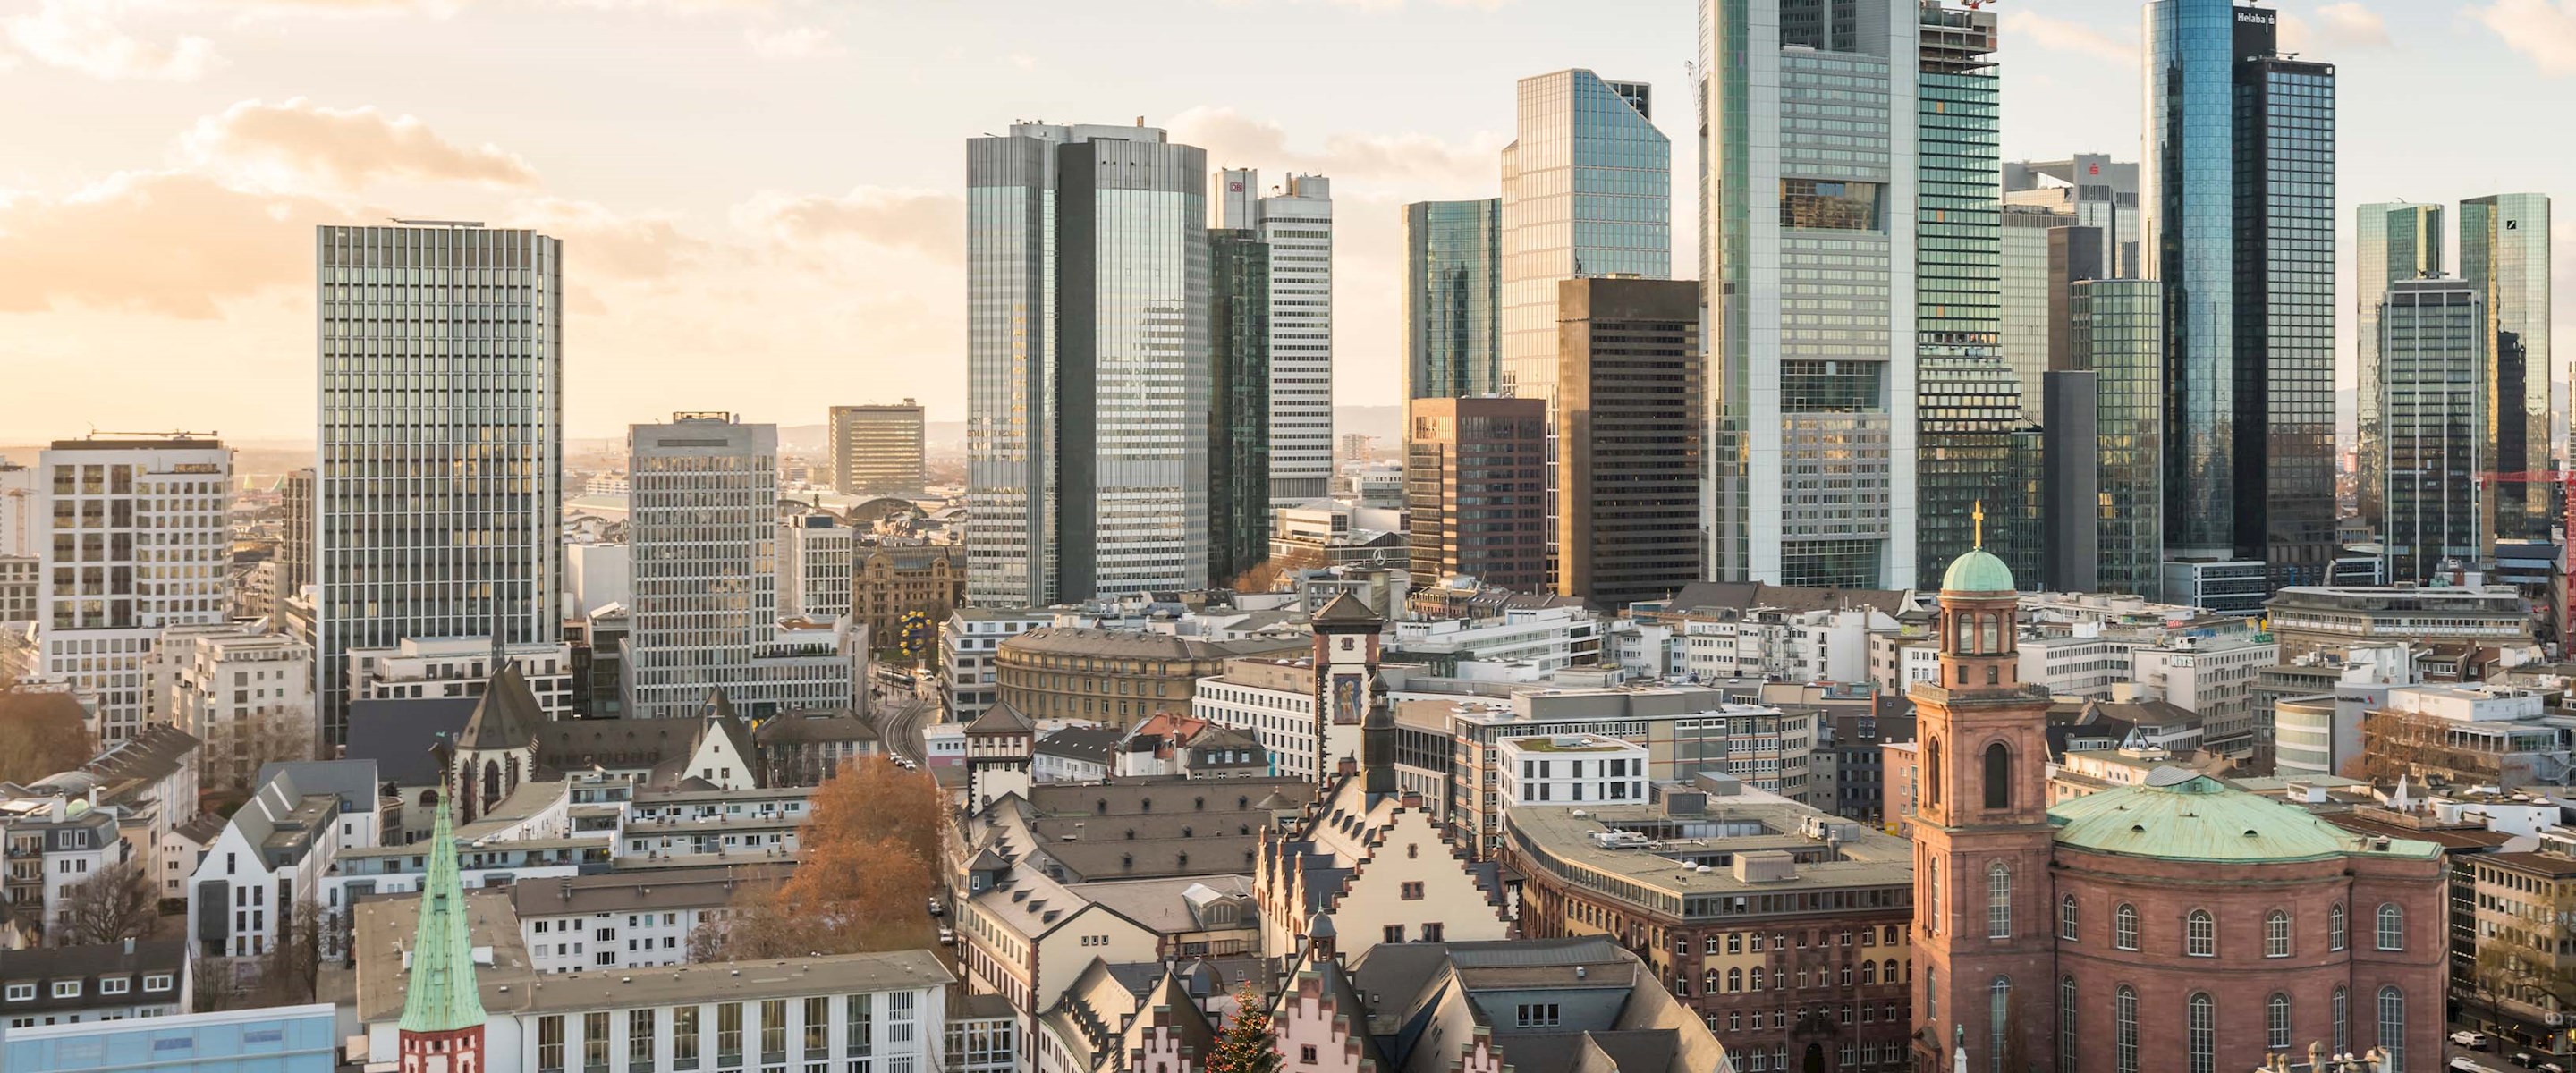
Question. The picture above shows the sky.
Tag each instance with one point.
(761, 200)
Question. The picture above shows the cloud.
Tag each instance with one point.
(923, 221)
(296, 144)
(2058, 35)
(85, 36)
(795, 42)
(1233, 139)
(2544, 31)
(598, 240)
(170, 243)
(2343, 25)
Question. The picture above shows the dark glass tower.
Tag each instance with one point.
(1239, 404)
(2118, 329)
(2504, 256)
(1452, 278)
(2240, 228)
(2435, 422)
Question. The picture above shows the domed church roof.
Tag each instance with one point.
(1978, 571)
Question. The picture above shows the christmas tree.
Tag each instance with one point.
(1245, 1046)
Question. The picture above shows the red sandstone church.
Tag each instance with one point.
(2177, 926)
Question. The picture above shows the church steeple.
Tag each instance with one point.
(442, 1020)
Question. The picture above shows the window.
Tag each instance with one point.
(2276, 1021)
(2124, 1029)
(2124, 927)
(684, 1037)
(2200, 1032)
(1998, 768)
(1829, 205)
(22, 992)
(2067, 1025)
(899, 1018)
(1734, 980)
(114, 985)
(729, 1034)
(594, 1040)
(773, 1030)
(1394, 933)
(2066, 918)
(1433, 932)
(1999, 898)
(2200, 934)
(1931, 994)
(550, 1042)
(1998, 1008)
(862, 1025)
(2334, 930)
(67, 989)
(2342, 1020)
(639, 1041)
(1412, 892)
(1306, 1053)
(1537, 1015)
(2276, 935)
(2392, 927)
(1754, 981)
(2392, 1026)
(158, 981)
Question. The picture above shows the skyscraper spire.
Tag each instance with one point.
(441, 995)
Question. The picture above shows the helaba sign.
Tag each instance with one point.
(2257, 16)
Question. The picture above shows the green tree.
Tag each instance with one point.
(1246, 1045)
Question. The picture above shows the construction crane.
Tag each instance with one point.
(2566, 482)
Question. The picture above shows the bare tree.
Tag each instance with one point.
(111, 906)
(41, 733)
(2519, 963)
(287, 967)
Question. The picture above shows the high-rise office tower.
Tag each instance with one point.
(1238, 410)
(140, 538)
(2238, 188)
(439, 477)
(1297, 223)
(2098, 191)
(2434, 422)
(295, 533)
(1630, 416)
(2391, 241)
(1587, 191)
(1452, 293)
(702, 531)
(2029, 316)
(2504, 254)
(2115, 436)
(1969, 402)
(876, 449)
(1087, 364)
(1807, 269)
(1475, 491)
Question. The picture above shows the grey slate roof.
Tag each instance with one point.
(402, 735)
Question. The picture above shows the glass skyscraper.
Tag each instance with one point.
(2391, 241)
(1087, 364)
(2504, 255)
(1238, 412)
(2434, 438)
(1807, 268)
(1452, 294)
(1968, 400)
(2239, 197)
(2118, 329)
(440, 446)
(1296, 220)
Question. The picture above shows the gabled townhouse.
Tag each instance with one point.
(93, 982)
(275, 852)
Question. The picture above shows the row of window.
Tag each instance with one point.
(107, 985)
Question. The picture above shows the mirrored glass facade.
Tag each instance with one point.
(2118, 329)
(1087, 364)
(440, 447)
(2504, 254)
(2390, 242)
(1452, 287)
(1296, 220)
(2433, 351)
(1811, 319)
(1238, 412)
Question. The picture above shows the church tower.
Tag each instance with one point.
(442, 1020)
(1984, 944)
(1001, 751)
(1346, 650)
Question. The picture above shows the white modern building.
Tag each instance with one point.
(274, 854)
(1808, 168)
(1296, 220)
(1546, 638)
(598, 573)
(245, 693)
(141, 540)
(459, 667)
(440, 366)
(969, 643)
(2212, 677)
(1570, 769)
(1275, 700)
(816, 557)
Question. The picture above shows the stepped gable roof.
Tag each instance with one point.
(2179, 814)
(507, 716)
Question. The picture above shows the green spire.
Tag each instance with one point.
(442, 996)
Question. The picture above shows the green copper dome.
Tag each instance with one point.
(2181, 815)
(1978, 571)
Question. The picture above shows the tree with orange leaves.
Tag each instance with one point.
(867, 861)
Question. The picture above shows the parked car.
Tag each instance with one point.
(947, 936)
(937, 909)
(2552, 1067)
(2523, 1059)
(2475, 1041)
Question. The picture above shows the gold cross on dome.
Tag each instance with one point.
(1980, 515)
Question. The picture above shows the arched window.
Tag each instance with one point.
(1709, 982)
(1998, 776)
(491, 784)
(1932, 768)
(2276, 934)
(1734, 980)
(2392, 1026)
(2276, 1022)
(2392, 927)
(2124, 1029)
(2200, 934)
(1887, 971)
(1999, 900)
(2334, 929)
(1990, 634)
(2066, 918)
(1756, 979)
(2342, 1020)
(2066, 1025)
(1868, 973)
(1998, 1007)
(2200, 1032)
(2124, 927)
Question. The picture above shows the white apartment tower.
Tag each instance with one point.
(1297, 222)
(1807, 198)
(440, 447)
(138, 539)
